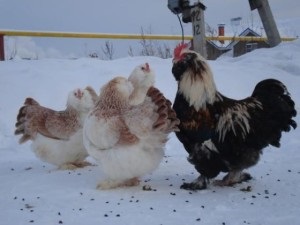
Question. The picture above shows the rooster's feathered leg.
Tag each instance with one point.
(233, 177)
(199, 184)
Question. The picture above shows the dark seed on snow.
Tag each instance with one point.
(15, 197)
(151, 208)
(202, 206)
(31, 221)
(147, 188)
(59, 213)
(118, 215)
(172, 193)
(198, 219)
(60, 222)
(105, 215)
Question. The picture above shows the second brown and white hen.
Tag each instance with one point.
(127, 130)
(57, 135)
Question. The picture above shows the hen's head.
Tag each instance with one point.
(82, 99)
(142, 76)
(186, 60)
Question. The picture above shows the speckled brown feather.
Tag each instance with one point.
(167, 120)
(34, 118)
(112, 103)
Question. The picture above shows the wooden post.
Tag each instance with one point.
(267, 19)
(2, 57)
(199, 40)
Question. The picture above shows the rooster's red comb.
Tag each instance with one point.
(179, 48)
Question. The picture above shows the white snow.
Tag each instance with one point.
(34, 192)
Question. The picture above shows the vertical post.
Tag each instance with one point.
(199, 41)
(2, 57)
(267, 19)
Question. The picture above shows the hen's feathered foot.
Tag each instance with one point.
(74, 165)
(199, 184)
(232, 178)
(110, 184)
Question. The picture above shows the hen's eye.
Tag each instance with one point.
(143, 68)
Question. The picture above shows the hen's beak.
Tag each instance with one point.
(78, 94)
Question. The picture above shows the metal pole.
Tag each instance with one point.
(267, 19)
(2, 56)
(199, 40)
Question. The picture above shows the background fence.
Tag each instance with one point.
(118, 36)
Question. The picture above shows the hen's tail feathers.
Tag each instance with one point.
(21, 118)
(167, 120)
(277, 102)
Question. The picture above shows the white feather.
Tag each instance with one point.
(59, 152)
(198, 90)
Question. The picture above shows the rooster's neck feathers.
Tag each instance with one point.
(198, 87)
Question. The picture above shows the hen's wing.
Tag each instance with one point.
(60, 125)
(167, 120)
(34, 118)
(153, 115)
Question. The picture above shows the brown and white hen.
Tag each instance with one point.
(57, 135)
(127, 130)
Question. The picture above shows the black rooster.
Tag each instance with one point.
(222, 134)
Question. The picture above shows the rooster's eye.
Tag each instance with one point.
(143, 68)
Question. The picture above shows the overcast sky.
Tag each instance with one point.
(123, 16)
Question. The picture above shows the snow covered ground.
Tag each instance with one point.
(34, 192)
